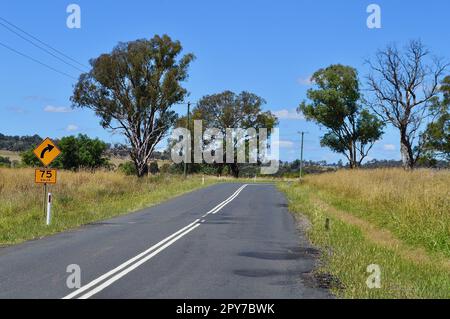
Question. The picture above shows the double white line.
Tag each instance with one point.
(112, 276)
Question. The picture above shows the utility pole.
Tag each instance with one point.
(188, 128)
(301, 155)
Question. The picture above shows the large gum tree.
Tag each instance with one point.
(335, 103)
(132, 90)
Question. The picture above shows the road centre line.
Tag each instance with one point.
(135, 265)
(221, 205)
(136, 261)
(128, 262)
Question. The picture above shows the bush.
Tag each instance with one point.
(81, 152)
(128, 168)
(5, 162)
(29, 159)
(165, 168)
(76, 152)
(153, 168)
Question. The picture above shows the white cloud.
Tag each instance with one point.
(305, 80)
(283, 144)
(71, 128)
(285, 114)
(38, 98)
(17, 109)
(389, 147)
(57, 109)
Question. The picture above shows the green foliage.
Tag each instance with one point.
(132, 90)
(76, 152)
(230, 110)
(29, 159)
(81, 152)
(18, 143)
(153, 168)
(437, 135)
(336, 105)
(5, 161)
(128, 168)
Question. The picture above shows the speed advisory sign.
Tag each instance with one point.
(45, 176)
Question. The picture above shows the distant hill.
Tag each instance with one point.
(18, 143)
(11, 146)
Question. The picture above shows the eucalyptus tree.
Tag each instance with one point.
(132, 90)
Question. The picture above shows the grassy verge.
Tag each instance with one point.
(395, 219)
(79, 198)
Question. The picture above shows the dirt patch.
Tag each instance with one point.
(322, 280)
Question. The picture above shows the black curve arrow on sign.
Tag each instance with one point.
(49, 148)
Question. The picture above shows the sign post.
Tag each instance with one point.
(46, 152)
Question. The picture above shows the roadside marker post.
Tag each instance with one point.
(46, 152)
(49, 208)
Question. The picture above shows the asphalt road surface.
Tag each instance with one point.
(224, 241)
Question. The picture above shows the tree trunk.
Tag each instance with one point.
(235, 169)
(406, 151)
(351, 157)
(141, 168)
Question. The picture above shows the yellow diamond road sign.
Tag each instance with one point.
(47, 152)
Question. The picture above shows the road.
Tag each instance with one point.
(224, 241)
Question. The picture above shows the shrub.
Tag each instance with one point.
(5, 162)
(128, 168)
(153, 168)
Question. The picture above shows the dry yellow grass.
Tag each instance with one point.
(389, 217)
(79, 198)
(413, 205)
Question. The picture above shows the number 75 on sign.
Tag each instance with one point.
(45, 176)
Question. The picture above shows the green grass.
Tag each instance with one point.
(79, 198)
(369, 227)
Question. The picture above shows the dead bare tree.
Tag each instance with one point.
(404, 84)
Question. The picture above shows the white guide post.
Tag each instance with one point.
(49, 208)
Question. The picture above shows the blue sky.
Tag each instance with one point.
(267, 47)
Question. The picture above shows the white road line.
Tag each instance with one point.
(149, 253)
(221, 205)
(135, 265)
(128, 262)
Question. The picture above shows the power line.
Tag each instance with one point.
(41, 42)
(37, 61)
(43, 49)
